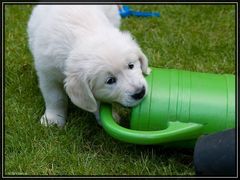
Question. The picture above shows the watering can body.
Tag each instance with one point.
(180, 106)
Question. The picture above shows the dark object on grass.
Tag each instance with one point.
(215, 154)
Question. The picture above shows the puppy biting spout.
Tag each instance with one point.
(85, 58)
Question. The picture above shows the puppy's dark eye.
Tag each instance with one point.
(111, 80)
(130, 66)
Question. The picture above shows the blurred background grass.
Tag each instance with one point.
(190, 37)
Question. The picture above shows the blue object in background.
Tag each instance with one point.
(126, 11)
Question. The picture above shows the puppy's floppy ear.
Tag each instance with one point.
(144, 63)
(80, 93)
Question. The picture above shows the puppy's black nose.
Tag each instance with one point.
(139, 94)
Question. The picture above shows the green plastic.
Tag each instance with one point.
(180, 106)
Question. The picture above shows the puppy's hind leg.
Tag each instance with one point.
(55, 101)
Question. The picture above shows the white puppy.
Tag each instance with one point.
(79, 51)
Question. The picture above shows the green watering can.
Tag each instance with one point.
(180, 106)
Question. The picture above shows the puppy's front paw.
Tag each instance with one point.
(50, 119)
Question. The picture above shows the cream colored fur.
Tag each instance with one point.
(76, 49)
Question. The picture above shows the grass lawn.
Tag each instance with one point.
(190, 37)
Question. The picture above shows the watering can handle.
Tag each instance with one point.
(176, 130)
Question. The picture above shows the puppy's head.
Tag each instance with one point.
(110, 71)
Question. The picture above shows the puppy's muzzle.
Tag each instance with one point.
(139, 93)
